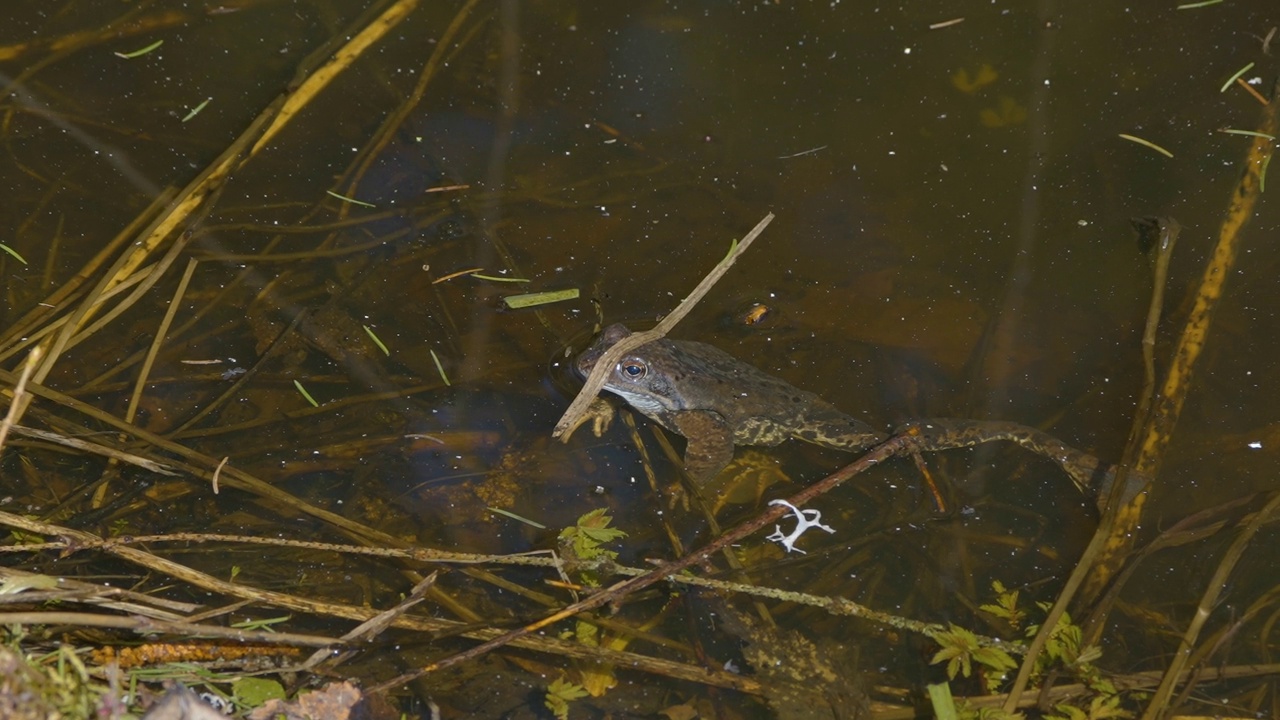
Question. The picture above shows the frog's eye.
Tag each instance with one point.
(633, 369)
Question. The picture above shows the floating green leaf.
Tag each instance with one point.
(140, 53)
(196, 110)
(13, 252)
(353, 201)
(1235, 77)
(306, 394)
(495, 278)
(1252, 133)
(515, 302)
(514, 516)
(376, 340)
(1146, 143)
(253, 692)
(440, 368)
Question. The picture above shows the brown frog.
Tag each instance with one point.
(717, 401)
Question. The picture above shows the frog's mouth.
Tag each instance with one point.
(645, 403)
(585, 364)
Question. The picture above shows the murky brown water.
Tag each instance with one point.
(952, 239)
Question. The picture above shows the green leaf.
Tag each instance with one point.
(994, 658)
(560, 693)
(253, 692)
(1105, 708)
(516, 302)
(958, 646)
(1069, 712)
(141, 52)
(14, 253)
(590, 533)
(1006, 606)
(587, 634)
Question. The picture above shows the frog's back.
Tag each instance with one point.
(760, 408)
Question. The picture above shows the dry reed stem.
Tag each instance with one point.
(1116, 532)
(148, 281)
(833, 605)
(56, 302)
(37, 335)
(114, 598)
(95, 449)
(19, 392)
(322, 76)
(570, 649)
(150, 626)
(206, 186)
(373, 627)
(161, 332)
(1177, 384)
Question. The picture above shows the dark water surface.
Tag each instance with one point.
(952, 240)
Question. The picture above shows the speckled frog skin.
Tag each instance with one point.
(717, 401)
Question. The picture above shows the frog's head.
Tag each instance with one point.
(637, 377)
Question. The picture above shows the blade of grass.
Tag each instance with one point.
(1233, 78)
(14, 253)
(161, 333)
(376, 340)
(305, 394)
(1251, 133)
(196, 110)
(440, 368)
(19, 392)
(353, 201)
(516, 517)
(1147, 143)
(494, 278)
(516, 302)
(139, 53)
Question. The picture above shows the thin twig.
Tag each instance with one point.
(1209, 600)
(371, 628)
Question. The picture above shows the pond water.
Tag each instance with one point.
(953, 201)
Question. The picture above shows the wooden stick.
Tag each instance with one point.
(595, 381)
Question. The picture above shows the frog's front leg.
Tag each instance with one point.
(710, 443)
(599, 415)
